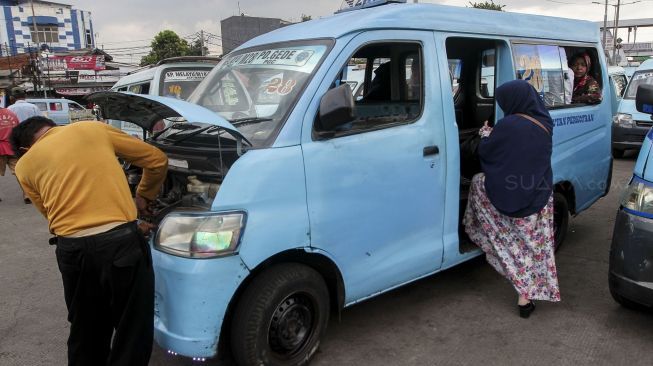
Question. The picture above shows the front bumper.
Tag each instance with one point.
(631, 258)
(191, 299)
(628, 137)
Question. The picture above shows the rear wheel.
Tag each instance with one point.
(560, 218)
(281, 317)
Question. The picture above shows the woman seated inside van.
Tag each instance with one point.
(586, 89)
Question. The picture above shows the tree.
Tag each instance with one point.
(489, 5)
(165, 44)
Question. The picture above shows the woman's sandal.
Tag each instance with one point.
(526, 310)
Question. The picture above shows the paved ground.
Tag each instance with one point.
(464, 316)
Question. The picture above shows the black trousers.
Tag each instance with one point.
(109, 286)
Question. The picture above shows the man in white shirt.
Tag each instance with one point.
(22, 108)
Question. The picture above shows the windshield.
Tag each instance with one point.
(255, 89)
(180, 83)
(644, 77)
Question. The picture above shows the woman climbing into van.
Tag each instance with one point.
(586, 88)
(510, 208)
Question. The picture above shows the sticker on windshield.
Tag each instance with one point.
(280, 86)
(284, 56)
(645, 75)
(191, 75)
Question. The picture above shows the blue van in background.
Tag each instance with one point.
(631, 252)
(631, 126)
(287, 197)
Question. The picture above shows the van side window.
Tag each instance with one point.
(547, 69)
(56, 106)
(41, 106)
(486, 74)
(387, 84)
(75, 107)
(143, 88)
(541, 66)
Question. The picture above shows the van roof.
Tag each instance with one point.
(646, 65)
(436, 17)
(148, 74)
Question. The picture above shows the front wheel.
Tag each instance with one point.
(281, 317)
(560, 218)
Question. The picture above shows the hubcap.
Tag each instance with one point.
(292, 325)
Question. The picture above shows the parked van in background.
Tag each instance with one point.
(618, 81)
(59, 110)
(631, 126)
(287, 197)
(175, 77)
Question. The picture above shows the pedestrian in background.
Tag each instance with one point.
(510, 208)
(73, 177)
(21, 107)
(8, 121)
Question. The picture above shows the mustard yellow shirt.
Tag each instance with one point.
(72, 176)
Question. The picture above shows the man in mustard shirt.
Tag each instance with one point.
(72, 176)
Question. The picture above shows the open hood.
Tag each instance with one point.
(146, 110)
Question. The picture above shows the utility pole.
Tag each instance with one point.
(605, 25)
(202, 42)
(11, 72)
(616, 28)
(36, 30)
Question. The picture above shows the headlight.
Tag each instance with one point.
(623, 120)
(638, 197)
(200, 235)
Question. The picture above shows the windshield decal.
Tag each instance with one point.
(644, 75)
(281, 87)
(284, 56)
(181, 75)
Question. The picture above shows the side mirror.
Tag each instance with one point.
(644, 99)
(336, 107)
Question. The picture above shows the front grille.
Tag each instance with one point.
(644, 123)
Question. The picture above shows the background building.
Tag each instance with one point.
(52, 25)
(239, 29)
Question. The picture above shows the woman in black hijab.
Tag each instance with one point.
(510, 209)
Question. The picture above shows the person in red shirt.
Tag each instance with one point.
(8, 120)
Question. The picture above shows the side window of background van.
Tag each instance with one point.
(75, 107)
(56, 106)
(390, 92)
(140, 88)
(546, 68)
(42, 106)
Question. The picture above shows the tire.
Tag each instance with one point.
(560, 219)
(280, 317)
(617, 153)
(625, 302)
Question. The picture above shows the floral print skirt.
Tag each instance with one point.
(520, 249)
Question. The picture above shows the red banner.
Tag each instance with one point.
(93, 62)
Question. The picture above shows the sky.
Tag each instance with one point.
(125, 28)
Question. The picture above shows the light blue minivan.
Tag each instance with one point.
(630, 125)
(288, 198)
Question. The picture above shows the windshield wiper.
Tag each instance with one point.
(248, 120)
(176, 125)
(191, 134)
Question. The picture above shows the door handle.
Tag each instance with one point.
(431, 150)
